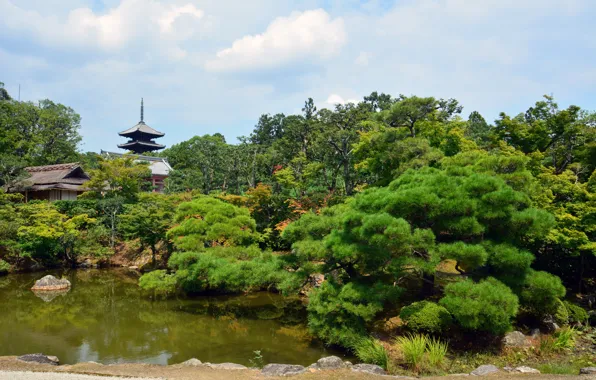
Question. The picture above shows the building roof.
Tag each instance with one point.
(62, 176)
(142, 128)
(157, 165)
(136, 143)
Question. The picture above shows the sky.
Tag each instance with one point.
(214, 66)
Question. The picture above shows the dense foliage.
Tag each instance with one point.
(380, 197)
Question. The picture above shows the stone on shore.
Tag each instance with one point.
(282, 370)
(50, 283)
(192, 363)
(226, 366)
(521, 369)
(330, 362)
(588, 371)
(368, 368)
(39, 359)
(484, 370)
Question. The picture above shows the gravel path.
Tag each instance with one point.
(8, 375)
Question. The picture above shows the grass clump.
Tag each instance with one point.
(413, 348)
(565, 338)
(371, 351)
(436, 352)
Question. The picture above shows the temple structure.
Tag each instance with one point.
(141, 137)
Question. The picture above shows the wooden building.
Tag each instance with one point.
(52, 182)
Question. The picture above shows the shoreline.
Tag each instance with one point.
(194, 369)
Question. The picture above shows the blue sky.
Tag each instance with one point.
(207, 66)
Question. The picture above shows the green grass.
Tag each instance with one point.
(436, 351)
(413, 348)
(558, 369)
(371, 351)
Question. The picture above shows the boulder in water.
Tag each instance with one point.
(51, 283)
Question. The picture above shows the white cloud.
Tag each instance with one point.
(334, 99)
(363, 58)
(129, 21)
(303, 36)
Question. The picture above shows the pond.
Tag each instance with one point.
(105, 318)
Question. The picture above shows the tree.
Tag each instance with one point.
(148, 220)
(118, 177)
(477, 129)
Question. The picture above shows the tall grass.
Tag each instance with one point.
(436, 351)
(371, 351)
(565, 338)
(413, 348)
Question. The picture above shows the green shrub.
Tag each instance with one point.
(436, 350)
(485, 306)
(4, 267)
(159, 282)
(413, 348)
(426, 316)
(562, 313)
(541, 293)
(371, 351)
(576, 313)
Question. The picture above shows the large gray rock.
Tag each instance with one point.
(192, 363)
(484, 370)
(368, 368)
(39, 358)
(330, 362)
(515, 339)
(282, 370)
(50, 283)
(588, 371)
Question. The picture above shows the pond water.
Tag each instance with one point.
(105, 318)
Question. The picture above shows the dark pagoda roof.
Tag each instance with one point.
(142, 146)
(141, 128)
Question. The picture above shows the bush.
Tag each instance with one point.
(542, 292)
(562, 314)
(426, 316)
(159, 282)
(4, 267)
(371, 351)
(576, 313)
(485, 306)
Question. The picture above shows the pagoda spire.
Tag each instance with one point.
(142, 111)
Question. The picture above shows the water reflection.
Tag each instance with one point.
(105, 318)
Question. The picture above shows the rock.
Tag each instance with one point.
(133, 267)
(549, 324)
(228, 366)
(348, 363)
(50, 282)
(535, 333)
(192, 363)
(588, 371)
(282, 370)
(330, 362)
(484, 370)
(368, 368)
(316, 280)
(515, 339)
(524, 369)
(39, 358)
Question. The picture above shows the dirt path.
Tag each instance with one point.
(174, 372)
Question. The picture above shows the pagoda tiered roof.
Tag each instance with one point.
(141, 137)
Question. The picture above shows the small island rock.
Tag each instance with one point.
(484, 370)
(282, 370)
(50, 283)
(192, 363)
(226, 366)
(39, 358)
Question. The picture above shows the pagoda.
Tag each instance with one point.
(141, 137)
